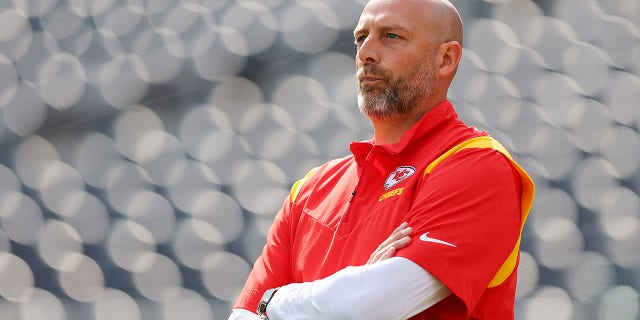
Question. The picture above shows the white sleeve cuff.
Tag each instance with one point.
(242, 314)
(396, 288)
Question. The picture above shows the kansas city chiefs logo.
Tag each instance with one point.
(399, 174)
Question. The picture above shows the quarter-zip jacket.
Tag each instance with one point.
(466, 208)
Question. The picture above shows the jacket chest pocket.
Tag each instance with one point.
(329, 212)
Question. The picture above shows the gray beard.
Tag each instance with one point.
(399, 97)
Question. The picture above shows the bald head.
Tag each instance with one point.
(440, 18)
(408, 53)
(446, 19)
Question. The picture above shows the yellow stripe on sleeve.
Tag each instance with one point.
(526, 200)
(295, 189)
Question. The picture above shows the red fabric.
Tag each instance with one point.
(470, 200)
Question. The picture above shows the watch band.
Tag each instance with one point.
(262, 305)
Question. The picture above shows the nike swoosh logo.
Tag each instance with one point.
(425, 237)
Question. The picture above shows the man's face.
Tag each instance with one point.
(395, 94)
(395, 60)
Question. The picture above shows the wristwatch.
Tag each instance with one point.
(266, 298)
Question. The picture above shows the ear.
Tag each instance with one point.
(450, 54)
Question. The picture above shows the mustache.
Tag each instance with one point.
(372, 71)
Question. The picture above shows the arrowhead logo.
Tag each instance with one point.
(399, 174)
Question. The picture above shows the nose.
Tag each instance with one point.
(368, 52)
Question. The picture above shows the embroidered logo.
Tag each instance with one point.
(425, 237)
(399, 174)
(392, 193)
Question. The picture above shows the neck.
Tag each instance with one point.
(390, 131)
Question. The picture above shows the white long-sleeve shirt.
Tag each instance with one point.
(396, 288)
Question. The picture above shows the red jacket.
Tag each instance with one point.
(475, 197)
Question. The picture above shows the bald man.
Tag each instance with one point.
(424, 220)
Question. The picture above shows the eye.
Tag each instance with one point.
(360, 39)
(392, 36)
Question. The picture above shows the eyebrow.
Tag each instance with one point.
(384, 28)
(392, 27)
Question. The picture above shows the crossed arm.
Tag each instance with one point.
(376, 297)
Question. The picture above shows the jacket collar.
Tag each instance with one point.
(430, 123)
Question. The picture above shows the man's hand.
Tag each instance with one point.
(398, 239)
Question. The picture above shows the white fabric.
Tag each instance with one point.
(396, 288)
(242, 314)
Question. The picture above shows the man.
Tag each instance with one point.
(334, 251)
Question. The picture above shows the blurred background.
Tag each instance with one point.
(145, 146)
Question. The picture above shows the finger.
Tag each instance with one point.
(388, 253)
(402, 242)
(397, 239)
(402, 226)
(398, 244)
(402, 231)
(390, 250)
(383, 252)
(382, 255)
